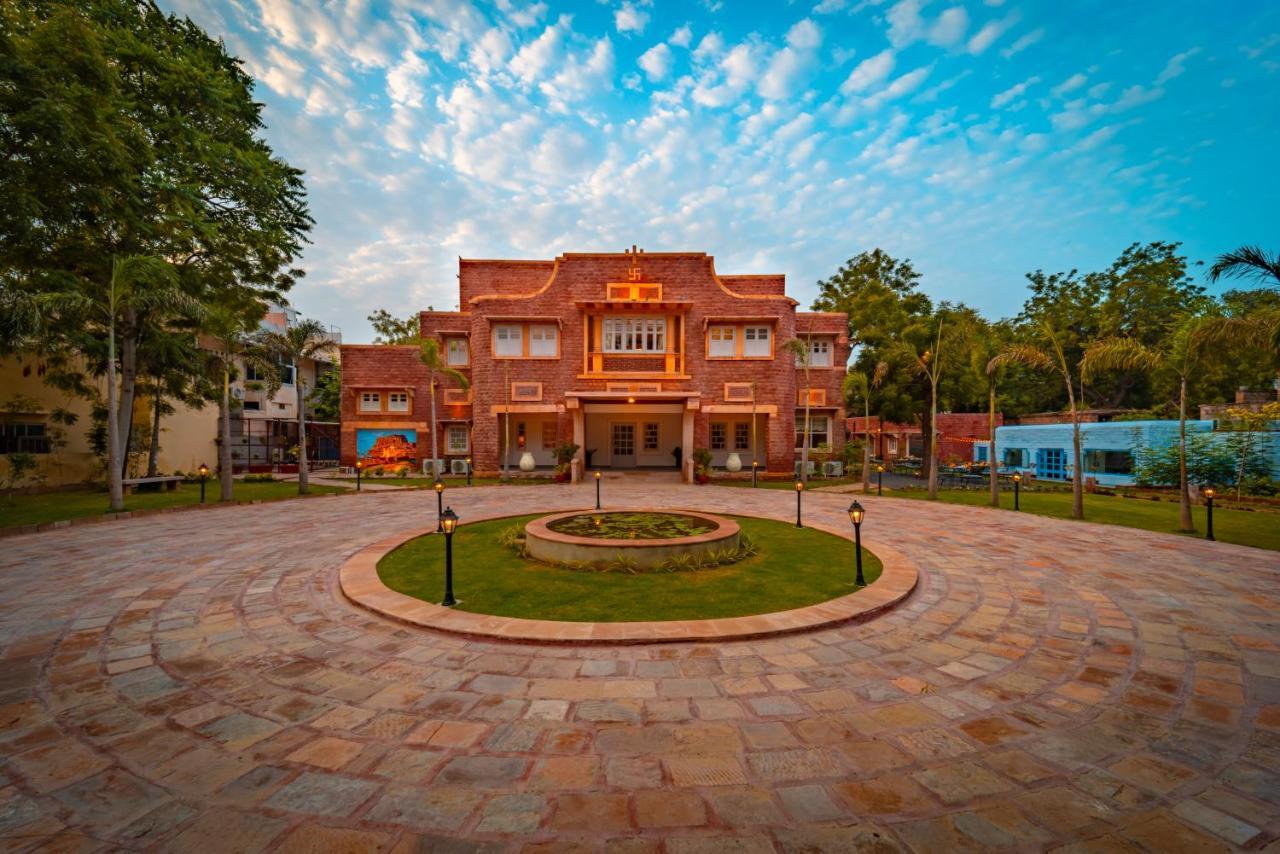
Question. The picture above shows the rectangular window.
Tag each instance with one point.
(635, 335)
(370, 401)
(398, 401)
(252, 406)
(457, 354)
(508, 341)
(982, 453)
(548, 435)
(542, 340)
(756, 341)
(651, 436)
(458, 441)
(719, 435)
(819, 354)
(254, 373)
(1014, 457)
(1108, 462)
(722, 342)
(818, 431)
(24, 438)
(741, 436)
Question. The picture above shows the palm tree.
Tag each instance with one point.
(1247, 262)
(230, 327)
(1053, 358)
(433, 358)
(305, 340)
(1190, 341)
(928, 364)
(802, 351)
(992, 370)
(858, 385)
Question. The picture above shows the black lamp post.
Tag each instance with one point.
(879, 480)
(1017, 480)
(204, 477)
(755, 467)
(799, 492)
(598, 491)
(468, 471)
(1208, 506)
(439, 488)
(856, 515)
(448, 524)
(359, 468)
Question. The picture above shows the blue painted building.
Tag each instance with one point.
(1107, 448)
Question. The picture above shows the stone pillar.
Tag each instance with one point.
(579, 439)
(686, 445)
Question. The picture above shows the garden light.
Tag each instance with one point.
(799, 492)
(448, 524)
(1208, 506)
(439, 488)
(856, 515)
(204, 477)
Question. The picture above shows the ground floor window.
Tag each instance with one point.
(651, 436)
(819, 433)
(719, 435)
(741, 436)
(1108, 462)
(458, 441)
(982, 453)
(1015, 457)
(23, 438)
(548, 435)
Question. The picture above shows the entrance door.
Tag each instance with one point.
(1051, 463)
(622, 445)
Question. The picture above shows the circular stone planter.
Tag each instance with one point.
(545, 544)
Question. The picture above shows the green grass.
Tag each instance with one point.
(814, 482)
(56, 506)
(795, 567)
(1260, 529)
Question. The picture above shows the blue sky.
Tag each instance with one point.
(981, 139)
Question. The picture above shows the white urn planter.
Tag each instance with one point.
(734, 463)
(527, 462)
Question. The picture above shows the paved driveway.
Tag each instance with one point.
(194, 681)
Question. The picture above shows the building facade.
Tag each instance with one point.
(958, 432)
(636, 358)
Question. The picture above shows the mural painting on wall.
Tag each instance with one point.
(386, 447)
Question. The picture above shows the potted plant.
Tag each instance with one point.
(565, 453)
(701, 465)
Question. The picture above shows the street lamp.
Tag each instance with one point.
(598, 490)
(856, 515)
(755, 467)
(468, 471)
(204, 477)
(1017, 480)
(799, 492)
(439, 488)
(448, 524)
(359, 467)
(879, 480)
(1208, 505)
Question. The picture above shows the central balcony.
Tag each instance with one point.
(635, 340)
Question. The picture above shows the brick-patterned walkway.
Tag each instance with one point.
(195, 682)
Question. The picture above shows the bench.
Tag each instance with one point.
(170, 482)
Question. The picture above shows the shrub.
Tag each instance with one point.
(265, 477)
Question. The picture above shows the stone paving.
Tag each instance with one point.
(196, 682)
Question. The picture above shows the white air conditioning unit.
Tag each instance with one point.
(237, 392)
(797, 469)
(458, 466)
(429, 469)
(833, 468)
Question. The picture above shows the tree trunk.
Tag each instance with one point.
(991, 443)
(1185, 523)
(506, 426)
(866, 446)
(128, 387)
(804, 450)
(933, 440)
(435, 427)
(1077, 488)
(224, 420)
(304, 485)
(115, 476)
(153, 453)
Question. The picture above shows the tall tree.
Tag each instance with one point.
(394, 330)
(228, 328)
(304, 341)
(858, 386)
(429, 351)
(1248, 262)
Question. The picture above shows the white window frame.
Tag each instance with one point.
(640, 334)
(756, 341)
(724, 435)
(814, 432)
(370, 401)
(657, 436)
(453, 430)
(543, 340)
(398, 401)
(819, 354)
(457, 352)
(508, 340)
(722, 341)
(741, 436)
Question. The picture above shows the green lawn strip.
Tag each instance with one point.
(795, 567)
(814, 482)
(1260, 529)
(56, 506)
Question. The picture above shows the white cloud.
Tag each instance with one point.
(628, 19)
(1013, 92)
(285, 74)
(804, 35)
(1176, 66)
(905, 23)
(787, 66)
(869, 72)
(656, 62)
(712, 44)
(535, 57)
(987, 36)
(950, 27)
(581, 75)
(404, 80)
(490, 53)
(1023, 43)
(523, 17)
(903, 85)
(1075, 81)
(682, 37)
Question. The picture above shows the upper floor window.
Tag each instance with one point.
(27, 437)
(456, 352)
(459, 441)
(635, 335)
(508, 340)
(398, 401)
(370, 401)
(819, 433)
(255, 373)
(722, 342)
(819, 355)
(542, 340)
(756, 341)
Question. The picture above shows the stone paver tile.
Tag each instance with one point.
(705, 771)
(1234, 830)
(485, 772)
(432, 807)
(238, 731)
(958, 782)
(887, 795)
(594, 813)
(1151, 773)
(311, 838)
(228, 830)
(743, 807)
(633, 772)
(110, 799)
(327, 752)
(515, 814)
(657, 809)
(1160, 831)
(51, 767)
(810, 803)
(806, 840)
(564, 772)
(1063, 810)
(322, 794)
